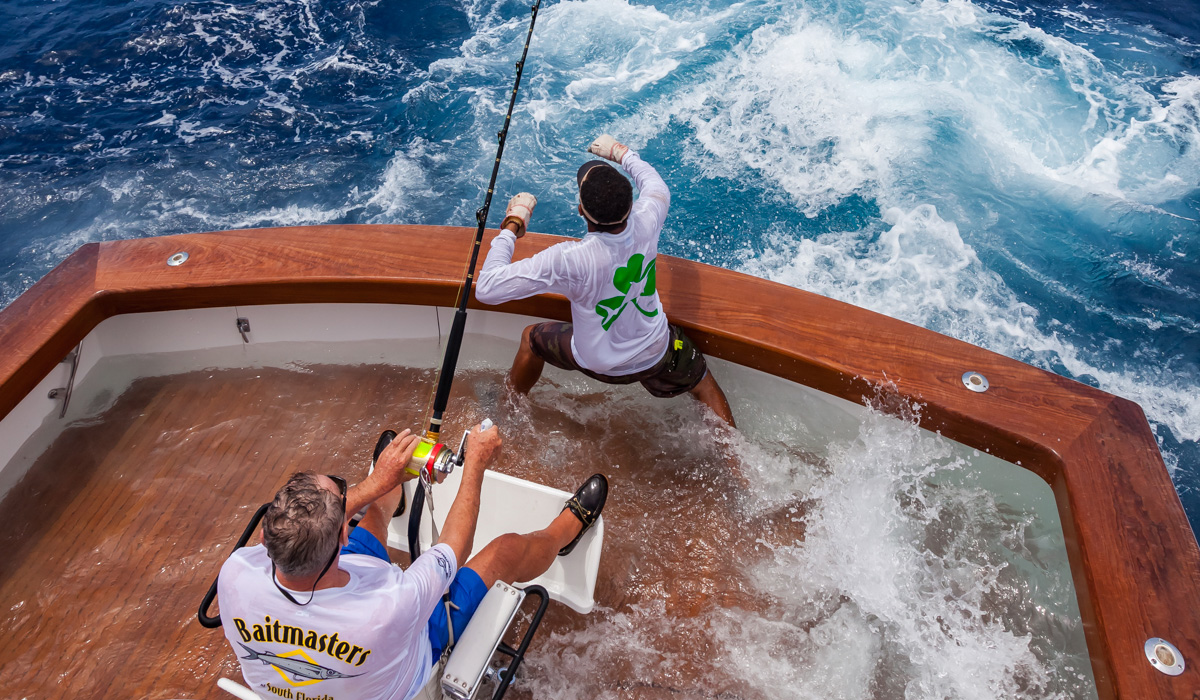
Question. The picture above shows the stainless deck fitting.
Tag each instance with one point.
(1164, 656)
(975, 382)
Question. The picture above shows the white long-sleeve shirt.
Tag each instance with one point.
(609, 278)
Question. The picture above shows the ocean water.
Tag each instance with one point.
(1024, 176)
(1019, 175)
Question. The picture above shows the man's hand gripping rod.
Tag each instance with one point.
(435, 465)
(433, 462)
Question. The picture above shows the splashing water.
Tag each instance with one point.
(881, 563)
(857, 556)
(1023, 177)
(1020, 176)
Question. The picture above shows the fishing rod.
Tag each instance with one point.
(432, 459)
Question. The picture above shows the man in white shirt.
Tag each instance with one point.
(618, 333)
(318, 610)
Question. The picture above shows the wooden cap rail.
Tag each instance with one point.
(1133, 555)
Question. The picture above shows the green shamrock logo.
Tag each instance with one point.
(624, 280)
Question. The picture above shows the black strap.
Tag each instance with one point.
(414, 522)
(313, 592)
(214, 621)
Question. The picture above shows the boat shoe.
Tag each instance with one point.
(586, 505)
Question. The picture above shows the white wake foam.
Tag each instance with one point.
(911, 579)
(916, 267)
(822, 109)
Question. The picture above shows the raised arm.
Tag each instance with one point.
(502, 280)
(459, 530)
(654, 195)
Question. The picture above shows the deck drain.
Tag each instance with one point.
(177, 259)
(1164, 656)
(975, 382)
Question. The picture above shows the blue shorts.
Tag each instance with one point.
(466, 592)
(363, 542)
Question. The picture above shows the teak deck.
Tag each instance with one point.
(1133, 555)
(113, 538)
(115, 535)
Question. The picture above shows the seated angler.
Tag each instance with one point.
(318, 608)
(618, 332)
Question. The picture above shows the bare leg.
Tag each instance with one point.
(379, 514)
(527, 367)
(514, 557)
(710, 394)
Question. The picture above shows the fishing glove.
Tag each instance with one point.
(520, 210)
(606, 146)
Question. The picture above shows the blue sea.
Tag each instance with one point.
(1022, 175)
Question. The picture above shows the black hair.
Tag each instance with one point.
(607, 196)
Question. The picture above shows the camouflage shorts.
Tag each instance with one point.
(680, 369)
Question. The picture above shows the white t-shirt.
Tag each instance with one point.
(619, 325)
(364, 641)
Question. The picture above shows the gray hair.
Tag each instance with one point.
(303, 525)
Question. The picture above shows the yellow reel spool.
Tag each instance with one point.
(425, 457)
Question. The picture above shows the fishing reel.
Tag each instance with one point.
(433, 461)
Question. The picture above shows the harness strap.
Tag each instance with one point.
(413, 544)
(445, 596)
(449, 623)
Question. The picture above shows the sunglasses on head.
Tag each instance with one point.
(342, 488)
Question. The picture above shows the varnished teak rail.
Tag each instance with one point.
(1133, 556)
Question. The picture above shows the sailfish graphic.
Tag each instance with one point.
(300, 670)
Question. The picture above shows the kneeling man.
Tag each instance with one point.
(318, 608)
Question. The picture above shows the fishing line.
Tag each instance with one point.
(429, 448)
